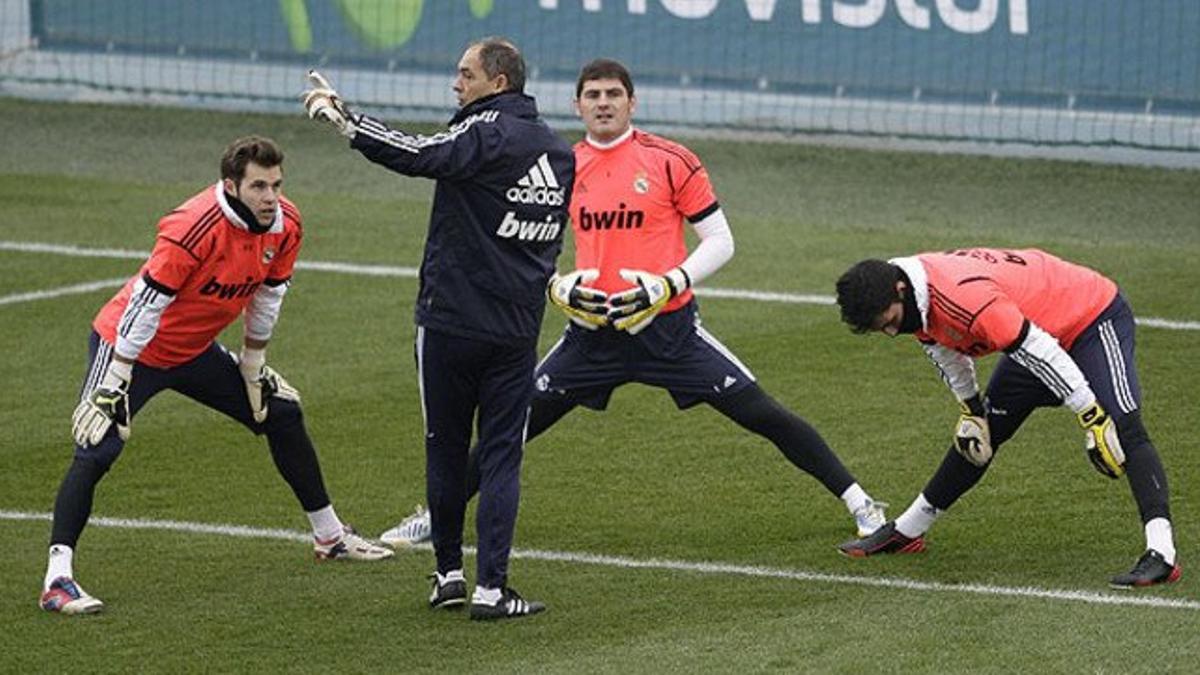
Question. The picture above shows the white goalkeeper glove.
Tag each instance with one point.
(972, 439)
(322, 102)
(1102, 444)
(585, 305)
(106, 405)
(633, 309)
(263, 383)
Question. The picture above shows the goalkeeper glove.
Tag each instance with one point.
(972, 439)
(263, 383)
(105, 405)
(584, 304)
(1102, 444)
(634, 309)
(322, 102)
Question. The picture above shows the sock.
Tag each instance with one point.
(485, 596)
(918, 518)
(1159, 538)
(325, 523)
(855, 497)
(61, 557)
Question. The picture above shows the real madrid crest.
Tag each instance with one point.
(641, 183)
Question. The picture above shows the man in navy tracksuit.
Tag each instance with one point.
(499, 211)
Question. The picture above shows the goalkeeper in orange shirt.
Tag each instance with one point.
(1067, 335)
(633, 315)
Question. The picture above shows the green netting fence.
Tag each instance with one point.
(1079, 72)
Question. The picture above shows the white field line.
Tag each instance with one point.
(1052, 594)
(74, 289)
(411, 272)
(126, 254)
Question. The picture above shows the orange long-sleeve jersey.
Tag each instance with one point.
(629, 204)
(979, 298)
(212, 265)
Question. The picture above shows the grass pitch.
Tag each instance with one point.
(752, 582)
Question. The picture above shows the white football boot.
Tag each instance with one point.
(415, 529)
(350, 546)
(67, 597)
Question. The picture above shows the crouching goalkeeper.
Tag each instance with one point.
(226, 252)
(1067, 337)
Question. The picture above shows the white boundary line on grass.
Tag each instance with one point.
(1068, 595)
(127, 254)
(411, 272)
(74, 289)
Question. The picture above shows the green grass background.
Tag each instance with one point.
(642, 480)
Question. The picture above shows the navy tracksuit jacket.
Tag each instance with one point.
(498, 217)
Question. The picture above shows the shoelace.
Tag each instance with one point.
(1146, 563)
(332, 542)
(513, 602)
(70, 587)
(442, 584)
(414, 521)
(872, 508)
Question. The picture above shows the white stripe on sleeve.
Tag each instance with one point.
(1047, 360)
(139, 321)
(414, 143)
(957, 370)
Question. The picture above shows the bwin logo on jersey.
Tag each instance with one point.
(537, 186)
(230, 291)
(529, 230)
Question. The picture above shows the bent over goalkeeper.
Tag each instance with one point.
(226, 252)
(633, 315)
(1067, 337)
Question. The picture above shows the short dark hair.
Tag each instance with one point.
(262, 151)
(865, 291)
(499, 56)
(604, 69)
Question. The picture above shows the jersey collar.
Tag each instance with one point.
(514, 103)
(920, 284)
(232, 216)
(613, 143)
